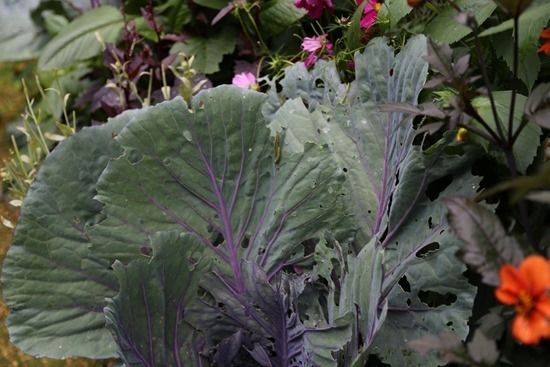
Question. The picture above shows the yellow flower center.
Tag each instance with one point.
(377, 7)
(525, 303)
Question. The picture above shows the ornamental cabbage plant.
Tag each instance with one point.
(304, 227)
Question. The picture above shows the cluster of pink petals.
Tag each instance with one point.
(245, 80)
(316, 47)
(314, 8)
(370, 13)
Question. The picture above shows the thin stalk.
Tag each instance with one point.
(486, 81)
(473, 112)
(518, 131)
(514, 89)
(485, 76)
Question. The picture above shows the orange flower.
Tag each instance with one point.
(527, 287)
(545, 47)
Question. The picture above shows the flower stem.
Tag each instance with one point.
(514, 88)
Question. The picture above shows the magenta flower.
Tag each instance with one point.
(245, 80)
(370, 13)
(316, 47)
(314, 8)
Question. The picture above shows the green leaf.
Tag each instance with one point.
(213, 4)
(420, 259)
(376, 152)
(528, 23)
(320, 85)
(397, 10)
(20, 37)
(54, 285)
(323, 342)
(212, 172)
(354, 32)
(279, 15)
(178, 14)
(487, 245)
(537, 107)
(53, 22)
(445, 29)
(531, 23)
(148, 317)
(78, 41)
(527, 143)
(208, 52)
(366, 276)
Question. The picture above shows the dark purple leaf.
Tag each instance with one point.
(487, 246)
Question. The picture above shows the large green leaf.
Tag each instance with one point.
(444, 28)
(148, 317)
(420, 255)
(78, 41)
(388, 179)
(209, 51)
(20, 37)
(212, 172)
(379, 141)
(279, 15)
(53, 284)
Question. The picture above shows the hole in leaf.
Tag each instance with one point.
(218, 239)
(319, 83)
(245, 242)
(430, 223)
(436, 299)
(375, 361)
(384, 234)
(404, 284)
(391, 72)
(345, 169)
(408, 302)
(427, 250)
(436, 187)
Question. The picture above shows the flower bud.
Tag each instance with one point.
(461, 134)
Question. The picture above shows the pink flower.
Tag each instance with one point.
(314, 8)
(316, 47)
(312, 44)
(370, 13)
(245, 80)
(310, 60)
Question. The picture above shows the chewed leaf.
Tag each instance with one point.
(388, 182)
(54, 285)
(148, 317)
(212, 172)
